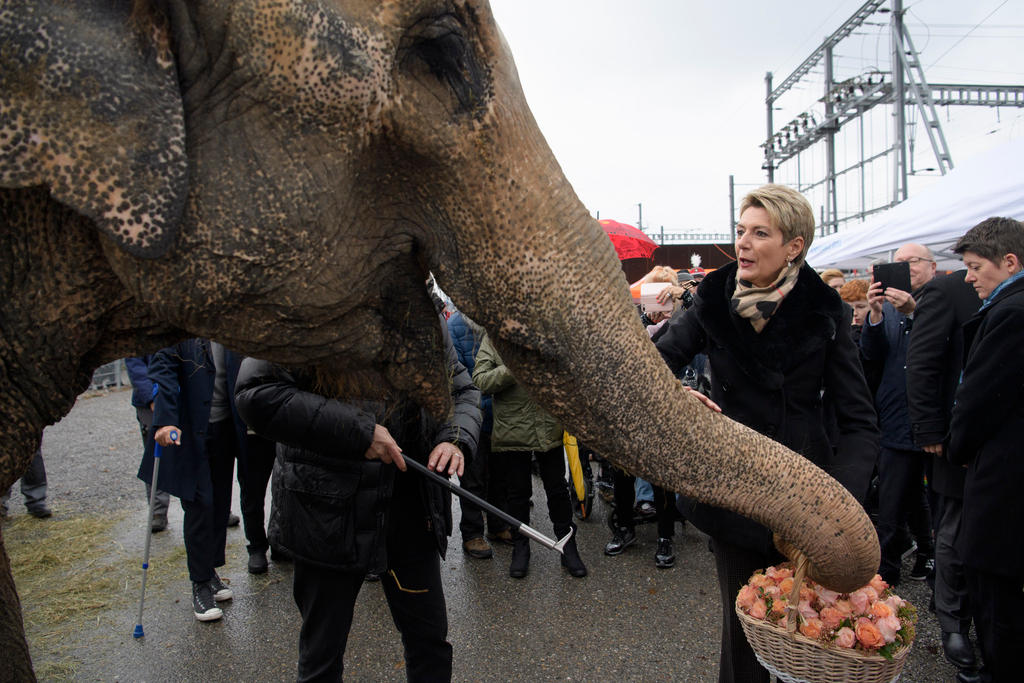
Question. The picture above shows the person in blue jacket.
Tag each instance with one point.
(142, 401)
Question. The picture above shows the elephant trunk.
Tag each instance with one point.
(568, 330)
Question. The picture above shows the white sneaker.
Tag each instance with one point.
(220, 591)
(203, 604)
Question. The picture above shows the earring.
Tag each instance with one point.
(789, 263)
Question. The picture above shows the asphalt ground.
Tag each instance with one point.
(626, 621)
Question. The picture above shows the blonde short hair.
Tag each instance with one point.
(830, 273)
(661, 274)
(789, 210)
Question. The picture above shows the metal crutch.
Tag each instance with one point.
(157, 452)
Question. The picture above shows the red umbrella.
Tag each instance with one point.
(628, 241)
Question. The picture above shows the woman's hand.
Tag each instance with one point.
(703, 399)
(446, 453)
(385, 448)
(669, 293)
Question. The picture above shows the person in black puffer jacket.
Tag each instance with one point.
(343, 506)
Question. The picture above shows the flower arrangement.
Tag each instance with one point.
(872, 619)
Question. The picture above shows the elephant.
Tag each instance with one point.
(282, 176)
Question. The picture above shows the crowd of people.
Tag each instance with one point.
(911, 398)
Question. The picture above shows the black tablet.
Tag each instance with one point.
(895, 275)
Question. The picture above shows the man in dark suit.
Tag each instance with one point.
(934, 361)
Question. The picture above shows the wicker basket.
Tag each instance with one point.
(794, 658)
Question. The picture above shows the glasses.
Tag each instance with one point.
(914, 260)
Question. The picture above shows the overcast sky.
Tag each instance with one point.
(659, 101)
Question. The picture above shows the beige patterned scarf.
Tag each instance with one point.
(758, 304)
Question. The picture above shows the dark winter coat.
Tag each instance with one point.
(520, 424)
(138, 374)
(886, 343)
(934, 360)
(184, 375)
(986, 429)
(774, 381)
(331, 506)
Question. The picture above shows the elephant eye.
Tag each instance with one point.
(440, 43)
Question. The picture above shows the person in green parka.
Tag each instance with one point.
(523, 430)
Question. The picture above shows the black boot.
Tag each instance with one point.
(520, 557)
(571, 559)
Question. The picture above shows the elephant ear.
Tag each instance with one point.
(90, 107)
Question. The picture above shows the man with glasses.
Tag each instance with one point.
(901, 463)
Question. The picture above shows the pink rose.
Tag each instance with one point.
(871, 593)
(894, 602)
(811, 628)
(759, 609)
(746, 597)
(786, 585)
(868, 634)
(859, 601)
(760, 581)
(888, 626)
(830, 616)
(845, 637)
(807, 593)
(878, 584)
(806, 611)
(827, 596)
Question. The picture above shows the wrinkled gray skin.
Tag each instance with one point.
(281, 176)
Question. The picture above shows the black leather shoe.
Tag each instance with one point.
(257, 561)
(520, 563)
(40, 511)
(968, 676)
(959, 651)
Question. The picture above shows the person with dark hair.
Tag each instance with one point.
(776, 337)
(984, 435)
(344, 505)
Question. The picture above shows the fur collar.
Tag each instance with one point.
(807, 320)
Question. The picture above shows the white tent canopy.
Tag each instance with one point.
(989, 184)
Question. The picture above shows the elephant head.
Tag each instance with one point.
(282, 175)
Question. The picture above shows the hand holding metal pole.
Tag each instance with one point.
(517, 525)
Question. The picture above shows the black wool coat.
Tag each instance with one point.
(774, 382)
(986, 430)
(934, 360)
(184, 375)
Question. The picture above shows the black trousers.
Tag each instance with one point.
(326, 598)
(625, 496)
(998, 603)
(254, 468)
(206, 516)
(552, 474)
(737, 662)
(485, 475)
(900, 496)
(952, 604)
